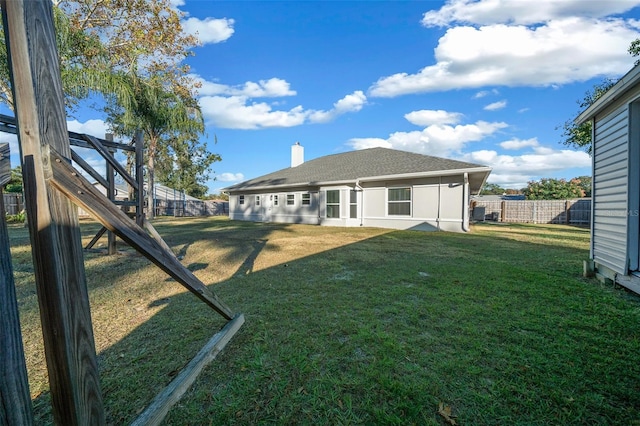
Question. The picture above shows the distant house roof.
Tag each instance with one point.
(363, 165)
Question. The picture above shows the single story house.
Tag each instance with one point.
(615, 223)
(375, 187)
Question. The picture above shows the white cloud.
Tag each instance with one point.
(271, 88)
(230, 177)
(235, 113)
(350, 103)
(231, 107)
(483, 93)
(518, 170)
(556, 52)
(209, 30)
(495, 106)
(521, 12)
(97, 128)
(427, 117)
(436, 139)
(515, 144)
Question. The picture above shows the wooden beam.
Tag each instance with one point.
(95, 239)
(5, 164)
(15, 399)
(87, 168)
(82, 193)
(53, 220)
(158, 409)
(111, 195)
(97, 145)
(139, 146)
(8, 125)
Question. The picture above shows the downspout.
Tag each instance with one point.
(361, 189)
(465, 203)
(439, 201)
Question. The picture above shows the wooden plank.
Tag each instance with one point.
(139, 145)
(87, 168)
(158, 409)
(53, 221)
(8, 125)
(95, 239)
(156, 236)
(5, 164)
(85, 195)
(15, 398)
(111, 195)
(98, 146)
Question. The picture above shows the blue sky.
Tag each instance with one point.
(488, 81)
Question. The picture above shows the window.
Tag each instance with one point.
(306, 199)
(399, 202)
(257, 200)
(291, 199)
(241, 199)
(353, 204)
(333, 203)
(275, 200)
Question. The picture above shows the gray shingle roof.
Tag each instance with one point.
(353, 165)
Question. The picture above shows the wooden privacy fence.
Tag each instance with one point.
(570, 212)
(13, 203)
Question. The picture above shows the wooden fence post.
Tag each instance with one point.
(53, 220)
(15, 399)
(139, 143)
(111, 193)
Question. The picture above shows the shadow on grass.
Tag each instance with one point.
(381, 331)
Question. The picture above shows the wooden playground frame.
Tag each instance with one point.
(51, 185)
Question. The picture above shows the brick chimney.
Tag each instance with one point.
(297, 154)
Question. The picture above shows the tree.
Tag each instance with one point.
(579, 136)
(552, 189)
(15, 184)
(492, 189)
(183, 164)
(163, 111)
(634, 50)
(100, 41)
(584, 182)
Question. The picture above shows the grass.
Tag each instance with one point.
(359, 326)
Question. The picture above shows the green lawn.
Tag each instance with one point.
(360, 326)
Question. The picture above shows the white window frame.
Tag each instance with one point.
(398, 202)
(353, 203)
(241, 199)
(291, 199)
(306, 199)
(275, 200)
(327, 204)
(257, 200)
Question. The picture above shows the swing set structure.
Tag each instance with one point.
(51, 187)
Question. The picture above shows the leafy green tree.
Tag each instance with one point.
(15, 184)
(552, 189)
(184, 164)
(634, 50)
(163, 111)
(492, 189)
(579, 136)
(584, 182)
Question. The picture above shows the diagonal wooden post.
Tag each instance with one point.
(53, 220)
